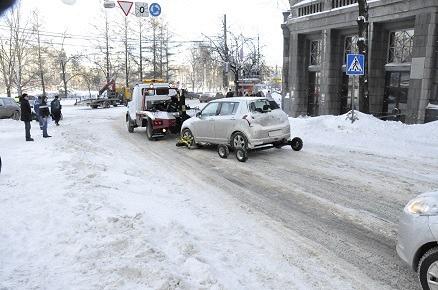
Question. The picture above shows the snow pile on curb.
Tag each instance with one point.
(368, 134)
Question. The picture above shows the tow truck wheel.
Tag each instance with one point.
(187, 134)
(241, 154)
(223, 151)
(149, 130)
(296, 144)
(129, 124)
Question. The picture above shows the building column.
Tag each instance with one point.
(329, 100)
(285, 70)
(377, 58)
(422, 66)
(296, 104)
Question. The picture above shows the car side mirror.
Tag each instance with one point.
(199, 114)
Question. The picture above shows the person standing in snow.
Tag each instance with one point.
(26, 115)
(45, 113)
(56, 107)
(229, 94)
(36, 107)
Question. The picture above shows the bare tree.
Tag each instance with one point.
(36, 29)
(239, 55)
(7, 60)
(23, 72)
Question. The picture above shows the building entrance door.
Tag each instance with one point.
(396, 95)
(313, 93)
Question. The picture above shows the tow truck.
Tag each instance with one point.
(109, 96)
(157, 106)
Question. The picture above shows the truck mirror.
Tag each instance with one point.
(199, 114)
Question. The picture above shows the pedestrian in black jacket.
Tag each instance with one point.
(26, 115)
(45, 113)
(55, 107)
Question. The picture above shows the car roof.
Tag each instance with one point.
(239, 99)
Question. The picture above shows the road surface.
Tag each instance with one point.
(348, 203)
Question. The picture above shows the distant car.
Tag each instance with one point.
(207, 97)
(9, 109)
(241, 122)
(192, 95)
(417, 242)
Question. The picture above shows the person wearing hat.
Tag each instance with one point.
(26, 115)
(45, 113)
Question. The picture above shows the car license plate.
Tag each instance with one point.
(274, 133)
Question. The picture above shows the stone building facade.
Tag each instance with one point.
(402, 62)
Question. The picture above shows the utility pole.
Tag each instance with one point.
(258, 57)
(362, 43)
(126, 54)
(154, 48)
(161, 52)
(227, 64)
(167, 55)
(141, 53)
(107, 49)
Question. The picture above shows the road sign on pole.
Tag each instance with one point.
(141, 9)
(355, 64)
(125, 6)
(155, 9)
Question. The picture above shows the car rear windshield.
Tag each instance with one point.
(261, 106)
(155, 92)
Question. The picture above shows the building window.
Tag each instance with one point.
(350, 46)
(311, 9)
(315, 52)
(341, 3)
(400, 46)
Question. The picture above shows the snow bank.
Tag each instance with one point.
(368, 134)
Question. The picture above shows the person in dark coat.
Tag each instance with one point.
(56, 107)
(229, 94)
(26, 115)
(36, 108)
(45, 113)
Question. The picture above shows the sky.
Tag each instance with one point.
(188, 19)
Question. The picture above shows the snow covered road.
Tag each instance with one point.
(95, 207)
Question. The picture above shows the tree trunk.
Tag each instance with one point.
(362, 44)
(236, 82)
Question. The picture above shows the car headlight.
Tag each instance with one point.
(423, 205)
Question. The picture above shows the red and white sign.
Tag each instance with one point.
(126, 6)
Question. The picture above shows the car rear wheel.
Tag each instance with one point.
(428, 269)
(238, 140)
(16, 115)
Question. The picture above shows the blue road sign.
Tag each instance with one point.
(155, 9)
(355, 64)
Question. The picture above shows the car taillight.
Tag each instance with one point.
(157, 122)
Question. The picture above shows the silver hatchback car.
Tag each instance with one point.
(246, 122)
(417, 238)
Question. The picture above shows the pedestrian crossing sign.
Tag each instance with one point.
(355, 64)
